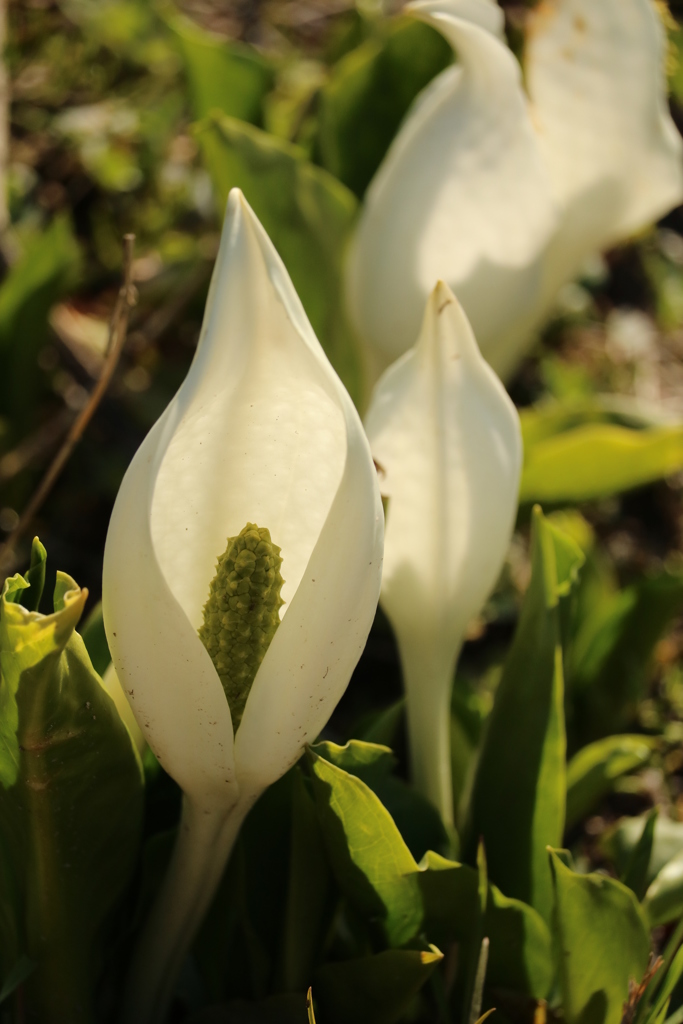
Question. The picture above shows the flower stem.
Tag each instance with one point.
(428, 682)
(203, 845)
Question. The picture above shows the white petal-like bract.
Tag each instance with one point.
(446, 438)
(504, 196)
(261, 431)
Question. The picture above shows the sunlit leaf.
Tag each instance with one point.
(371, 862)
(595, 461)
(416, 818)
(664, 898)
(592, 772)
(368, 94)
(603, 942)
(70, 802)
(518, 798)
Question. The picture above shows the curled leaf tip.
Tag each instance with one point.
(242, 612)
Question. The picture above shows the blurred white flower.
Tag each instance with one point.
(447, 440)
(262, 431)
(502, 193)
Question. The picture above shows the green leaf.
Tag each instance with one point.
(95, 640)
(416, 818)
(520, 955)
(47, 268)
(35, 577)
(603, 942)
(369, 93)
(375, 989)
(592, 772)
(372, 864)
(598, 460)
(635, 876)
(664, 898)
(549, 418)
(70, 804)
(610, 659)
(358, 757)
(308, 892)
(222, 74)
(620, 842)
(308, 215)
(518, 797)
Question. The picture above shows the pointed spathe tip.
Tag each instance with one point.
(442, 296)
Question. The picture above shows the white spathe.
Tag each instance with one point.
(262, 431)
(504, 195)
(447, 441)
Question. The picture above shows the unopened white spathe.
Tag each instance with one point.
(446, 438)
(503, 194)
(262, 431)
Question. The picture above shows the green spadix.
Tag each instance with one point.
(242, 612)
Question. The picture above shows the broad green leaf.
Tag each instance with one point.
(664, 898)
(416, 818)
(308, 215)
(369, 93)
(592, 772)
(47, 268)
(549, 419)
(520, 955)
(70, 804)
(518, 798)
(620, 842)
(95, 640)
(636, 874)
(612, 653)
(596, 461)
(307, 894)
(371, 862)
(603, 942)
(375, 989)
(222, 75)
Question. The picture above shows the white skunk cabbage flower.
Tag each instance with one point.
(505, 194)
(447, 441)
(262, 449)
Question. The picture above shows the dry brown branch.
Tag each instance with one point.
(117, 336)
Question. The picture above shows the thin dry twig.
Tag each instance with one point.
(636, 990)
(118, 328)
(35, 446)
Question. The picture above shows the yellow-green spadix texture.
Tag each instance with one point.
(242, 612)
